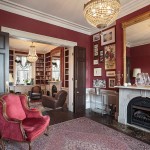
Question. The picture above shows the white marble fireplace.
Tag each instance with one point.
(126, 94)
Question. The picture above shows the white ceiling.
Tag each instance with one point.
(138, 34)
(70, 10)
(68, 14)
(22, 45)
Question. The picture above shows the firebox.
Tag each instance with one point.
(138, 112)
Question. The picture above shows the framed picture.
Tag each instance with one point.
(101, 57)
(99, 83)
(97, 71)
(108, 36)
(96, 37)
(95, 62)
(96, 50)
(111, 82)
(110, 73)
(110, 58)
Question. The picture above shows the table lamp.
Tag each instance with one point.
(136, 71)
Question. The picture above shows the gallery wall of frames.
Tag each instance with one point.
(104, 59)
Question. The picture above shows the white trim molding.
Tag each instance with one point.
(41, 16)
(37, 37)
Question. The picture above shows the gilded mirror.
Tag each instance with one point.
(125, 25)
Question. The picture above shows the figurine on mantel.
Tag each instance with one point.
(118, 78)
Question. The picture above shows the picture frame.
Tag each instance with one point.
(101, 56)
(108, 36)
(95, 62)
(110, 73)
(95, 50)
(110, 56)
(96, 37)
(97, 72)
(99, 83)
(111, 82)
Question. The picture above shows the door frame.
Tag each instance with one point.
(53, 41)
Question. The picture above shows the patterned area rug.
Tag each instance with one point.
(39, 106)
(82, 134)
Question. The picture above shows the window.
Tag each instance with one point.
(56, 69)
(23, 70)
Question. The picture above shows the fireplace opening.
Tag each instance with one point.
(138, 112)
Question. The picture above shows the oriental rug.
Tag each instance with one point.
(82, 134)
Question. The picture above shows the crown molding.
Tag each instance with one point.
(134, 44)
(44, 17)
(38, 15)
(132, 6)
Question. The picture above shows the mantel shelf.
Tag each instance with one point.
(134, 87)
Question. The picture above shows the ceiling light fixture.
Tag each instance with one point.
(32, 56)
(101, 13)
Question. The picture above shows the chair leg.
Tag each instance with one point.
(46, 132)
(2, 144)
(30, 145)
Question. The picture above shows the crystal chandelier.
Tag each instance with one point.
(101, 13)
(32, 56)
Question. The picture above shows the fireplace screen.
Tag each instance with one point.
(138, 112)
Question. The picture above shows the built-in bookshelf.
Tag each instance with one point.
(48, 68)
(66, 67)
(11, 61)
(39, 68)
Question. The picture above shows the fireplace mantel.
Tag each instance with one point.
(134, 87)
(126, 94)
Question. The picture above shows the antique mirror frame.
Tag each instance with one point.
(126, 24)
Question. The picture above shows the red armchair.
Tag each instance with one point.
(18, 122)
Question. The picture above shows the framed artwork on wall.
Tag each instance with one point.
(99, 83)
(108, 36)
(111, 82)
(101, 56)
(110, 57)
(95, 62)
(97, 71)
(96, 37)
(110, 73)
(95, 50)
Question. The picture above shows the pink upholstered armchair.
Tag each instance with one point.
(18, 122)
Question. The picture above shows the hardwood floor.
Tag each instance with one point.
(58, 116)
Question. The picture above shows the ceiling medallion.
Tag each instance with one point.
(101, 13)
(32, 56)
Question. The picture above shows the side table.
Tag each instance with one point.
(97, 102)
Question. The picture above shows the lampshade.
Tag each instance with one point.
(32, 56)
(136, 71)
(101, 13)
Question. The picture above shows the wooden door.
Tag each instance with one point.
(79, 79)
(4, 62)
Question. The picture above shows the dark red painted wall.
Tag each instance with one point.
(119, 35)
(30, 25)
(140, 58)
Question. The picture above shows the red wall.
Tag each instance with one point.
(30, 25)
(140, 58)
(119, 35)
